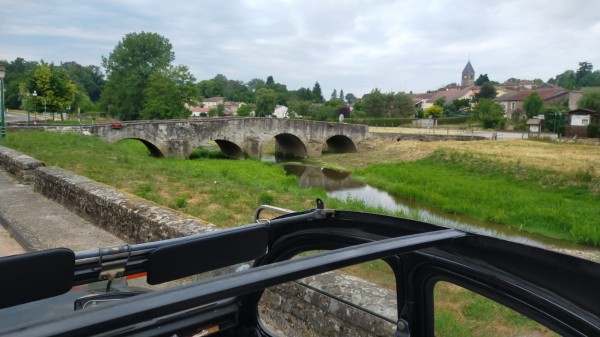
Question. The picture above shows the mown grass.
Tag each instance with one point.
(535, 200)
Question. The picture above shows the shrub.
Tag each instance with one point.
(593, 130)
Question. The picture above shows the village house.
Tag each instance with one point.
(213, 102)
(198, 111)
(513, 101)
(579, 119)
(281, 111)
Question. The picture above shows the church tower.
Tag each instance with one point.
(468, 76)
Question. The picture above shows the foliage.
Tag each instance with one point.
(350, 98)
(533, 104)
(318, 95)
(168, 92)
(245, 109)
(593, 130)
(334, 94)
(489, 113)
(583, 77)
(266, 100)
(483, 78)
(129, 68)
(378, 104)
(501, 193)
(90, 78)
(590, 100)
(487, 90)
(453, 120)
(435, 110)
(52, 87)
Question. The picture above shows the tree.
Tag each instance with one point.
(402, 105)
(245, 109)
(334, 94)
(489, 113)
(90, 78)
(129, 68)
(168, 93)
(565, 80)
(304, 94)
(350, 98)
(266, 100)
(255, 84)
(585, 68)
(341, 94)
(435, 110)
(52, 87)
(533, 104)
(374, 104)
(487, 90)
(270, 81)
(590, 100)
(482, 79)
(317, 93)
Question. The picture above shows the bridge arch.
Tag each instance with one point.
(153, 149)
(230, 149)
(289, 144)
(340, 144)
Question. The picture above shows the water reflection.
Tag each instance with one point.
(341, 185)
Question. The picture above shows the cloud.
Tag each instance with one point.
(351, 45)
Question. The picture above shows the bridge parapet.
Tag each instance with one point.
(236, 136)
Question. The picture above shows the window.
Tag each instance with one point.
(460, 312)
(354, 301)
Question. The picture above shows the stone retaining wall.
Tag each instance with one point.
(421, 137)
(292, 308)
(19, 165)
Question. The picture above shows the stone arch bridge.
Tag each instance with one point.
(237, 136)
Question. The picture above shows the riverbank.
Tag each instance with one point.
(544, 187)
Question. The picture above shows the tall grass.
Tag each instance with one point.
(557, 205)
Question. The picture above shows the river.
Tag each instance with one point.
(341, 185)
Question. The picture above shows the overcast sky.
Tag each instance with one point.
(351, 45)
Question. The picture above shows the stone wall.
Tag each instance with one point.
(422, 137)
(575, 131)
(19, 165)
(292, 308)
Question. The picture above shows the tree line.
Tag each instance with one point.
(140, 81)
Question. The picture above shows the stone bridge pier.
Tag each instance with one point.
(237, 137)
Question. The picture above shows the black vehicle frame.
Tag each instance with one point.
(559, 291)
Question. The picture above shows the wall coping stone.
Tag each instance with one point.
(19, 165)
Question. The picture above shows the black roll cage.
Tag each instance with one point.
(554, 289)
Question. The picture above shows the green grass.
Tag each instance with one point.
(221, 191)
(541, 201)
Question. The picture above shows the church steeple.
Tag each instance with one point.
(468, 76)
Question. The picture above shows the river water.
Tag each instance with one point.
(341, 185)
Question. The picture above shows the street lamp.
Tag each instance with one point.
(2, 121)
(34, 105)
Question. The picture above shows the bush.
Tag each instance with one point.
(453, 120)
(593, 130)
(390, 122)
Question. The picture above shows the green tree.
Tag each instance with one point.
(334, 94)
(266, 100)
(482, 79)
(52, 87)
(565, 80)
(168, 93)
(245, 110)
(435, 110)
(590, 100)
(487, 90)
(129, 68)
(350, 98)
(402, 105)
(255, 84)
(489, 113)
(533, 104)
(317, 93)
(341, 93)
(374, 104)
(304, 94)
(89, 78)
(585, 68)
(270, 81)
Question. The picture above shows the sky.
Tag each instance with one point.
(354, 46)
